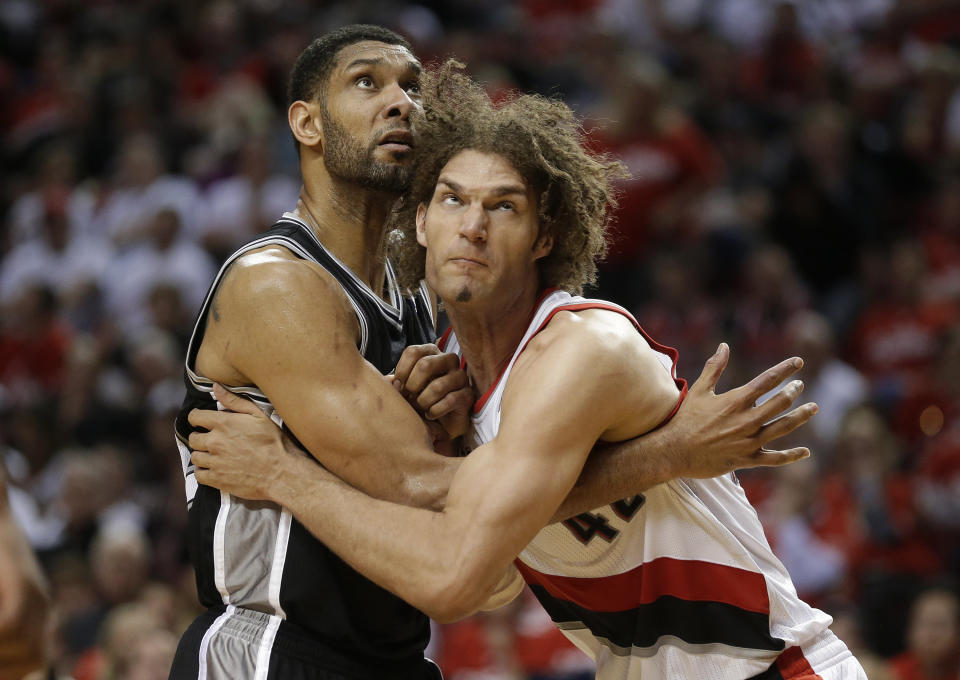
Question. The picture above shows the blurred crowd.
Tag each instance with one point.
(794, 189)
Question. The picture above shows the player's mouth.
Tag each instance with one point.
(468, 262)
(397, 141)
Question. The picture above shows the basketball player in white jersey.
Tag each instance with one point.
(676, 583)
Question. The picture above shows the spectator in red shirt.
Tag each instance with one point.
(671, 164)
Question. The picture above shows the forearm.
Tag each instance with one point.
(616, 471)
(422, 482)
(414, 553)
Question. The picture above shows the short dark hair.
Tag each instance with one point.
(313, 66)
(543, 140)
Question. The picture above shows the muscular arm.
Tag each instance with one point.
(446, 563)
(284, 325)
(711, 435)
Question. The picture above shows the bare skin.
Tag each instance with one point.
(284, 324)
(24, 600)
(481, 234)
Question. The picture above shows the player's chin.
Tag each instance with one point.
(395, 154)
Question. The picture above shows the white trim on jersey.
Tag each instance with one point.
(393, 310)
(201, 382)
(190, 484)
(425, 293)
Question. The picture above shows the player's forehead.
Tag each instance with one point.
(483, 172)
(370, 53)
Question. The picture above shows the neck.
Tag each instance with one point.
(489, 337)
(350, 222)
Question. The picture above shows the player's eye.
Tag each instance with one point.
(450, 199)
(505, 206)
(413, 88)
(365, 82)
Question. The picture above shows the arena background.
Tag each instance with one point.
(795, 189)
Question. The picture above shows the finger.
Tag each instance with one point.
(768, 380)
(201, 458)
(779, 402)
(712, 370)
(786, 423)
(430, 368)
(234, 402)
(411, 355)
(204, 476)
(205, 418)
(441, 387)
(459, 401)
(199, 441)
(765, 458)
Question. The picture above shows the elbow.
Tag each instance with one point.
(453, 596)
(426, 491)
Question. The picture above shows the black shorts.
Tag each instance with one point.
(231, 643)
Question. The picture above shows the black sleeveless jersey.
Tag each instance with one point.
(254, 555)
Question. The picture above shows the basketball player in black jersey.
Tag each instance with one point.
(306, 321)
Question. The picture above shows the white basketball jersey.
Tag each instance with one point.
(677, 582)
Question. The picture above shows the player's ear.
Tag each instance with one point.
(305, 123)
(422, 224)
(542, 246)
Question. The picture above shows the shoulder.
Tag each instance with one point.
(603, 365)
(272, 279)
(590, 334)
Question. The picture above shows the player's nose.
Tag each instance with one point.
(473, 223)
(398, 102)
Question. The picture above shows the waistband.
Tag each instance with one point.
(291, 641)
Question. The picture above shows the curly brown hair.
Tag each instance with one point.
(546, 144)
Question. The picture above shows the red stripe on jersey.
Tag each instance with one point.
(691, 580)
(479, 403)
(663, 349)
(442, 342)
(793, 665)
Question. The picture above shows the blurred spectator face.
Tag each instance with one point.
(161, 600)
(255, 160)
(140, 161)
(56, 228)
(164, 228)
(151, 656)
(824, 134)
(83, 494)
(32, 309)
(166, 307)
(811, 337)
(866, 445)
(908, 268)
(122, 632)
(120, 558)
(154, 357)
(770, 273)
(933, 634)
